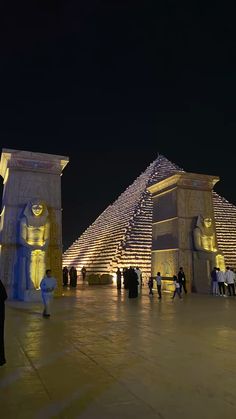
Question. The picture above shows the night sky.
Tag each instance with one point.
(118, 82)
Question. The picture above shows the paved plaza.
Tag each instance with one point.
(103, 356)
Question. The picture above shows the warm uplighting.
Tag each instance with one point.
(122, 234)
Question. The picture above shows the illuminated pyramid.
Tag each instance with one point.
(122, 234)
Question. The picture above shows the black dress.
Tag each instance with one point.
(65, 276)
(73, 277)
(118, 279)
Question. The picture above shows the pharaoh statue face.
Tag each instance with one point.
(207, 222)
(37, 209)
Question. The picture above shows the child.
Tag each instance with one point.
(150, 285)
(177, 287)
(47, 285)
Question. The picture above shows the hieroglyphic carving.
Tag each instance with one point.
(166, 262)
(35, 165)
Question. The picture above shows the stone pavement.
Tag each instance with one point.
(103, 356)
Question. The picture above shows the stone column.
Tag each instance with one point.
(177, 203)
(30, 177)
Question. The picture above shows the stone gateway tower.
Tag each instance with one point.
(30, 224)
(183, 228)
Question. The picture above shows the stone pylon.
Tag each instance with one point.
(178, 239)
(28, 239)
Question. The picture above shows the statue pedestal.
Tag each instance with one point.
(33, 296)
(203, 263)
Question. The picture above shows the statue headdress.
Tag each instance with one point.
(32, 219)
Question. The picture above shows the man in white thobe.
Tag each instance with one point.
(47, 285)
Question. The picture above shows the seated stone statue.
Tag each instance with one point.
(34, 238)
(204, 235)
(205, 240)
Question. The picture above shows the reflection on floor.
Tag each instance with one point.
(101, 355)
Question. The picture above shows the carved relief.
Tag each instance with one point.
(34, 239)
(165, 262)
(38, 165)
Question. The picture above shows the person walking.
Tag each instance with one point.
(158, 281)
(177, 287)
(182, 280)
(47, 285)
(150, 285)
(3, 297)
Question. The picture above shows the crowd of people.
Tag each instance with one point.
(179, 282)
(70, 276)
(222, 280)
(132, 281)
(222, 283)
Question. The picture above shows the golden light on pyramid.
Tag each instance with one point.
(122, 235)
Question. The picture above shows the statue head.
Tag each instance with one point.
(207, 222)
(37, 209)
(36, 212)
(204, 234)
(204, 223)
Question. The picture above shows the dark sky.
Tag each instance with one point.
(116, 82)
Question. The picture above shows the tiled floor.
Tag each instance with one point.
(104, 356)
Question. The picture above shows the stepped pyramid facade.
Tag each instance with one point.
(122, 234)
